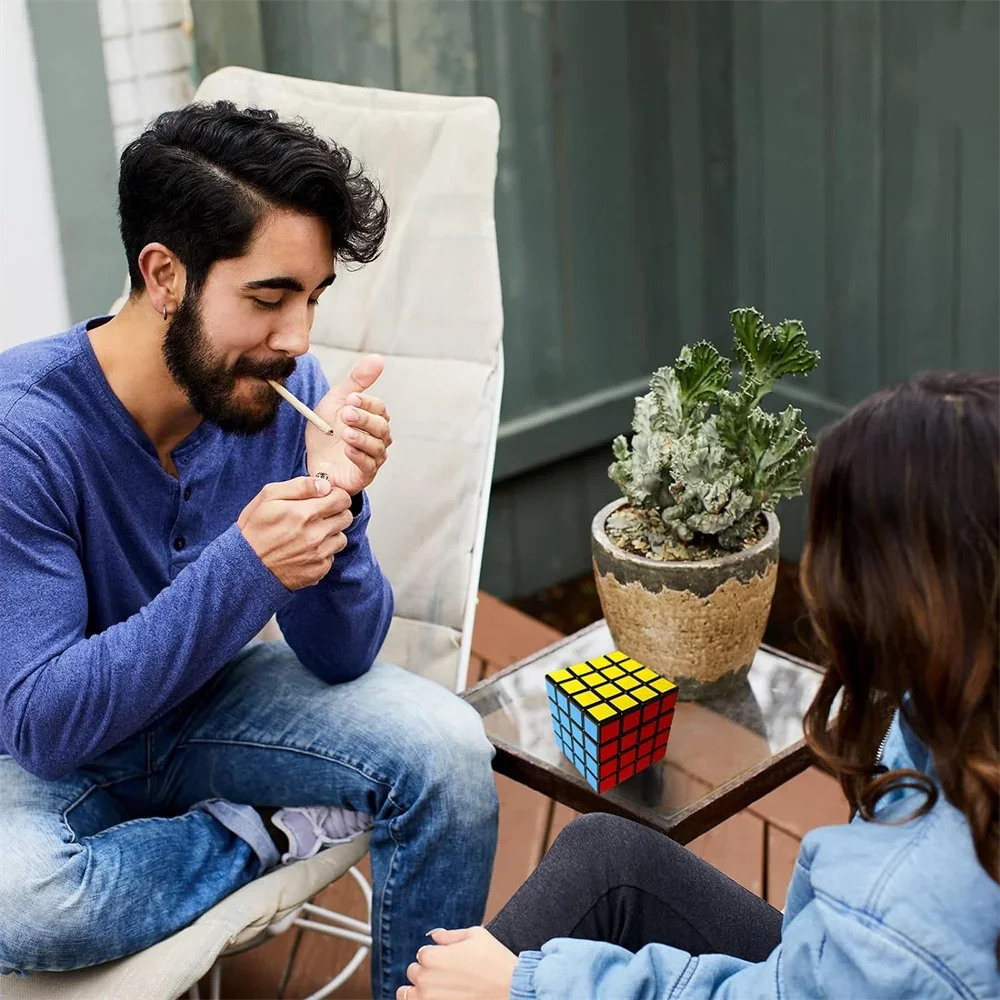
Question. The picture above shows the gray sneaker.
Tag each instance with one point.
(311, 828)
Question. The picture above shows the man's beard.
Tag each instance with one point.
(210, 384)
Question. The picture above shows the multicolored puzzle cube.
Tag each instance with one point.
(611, 717)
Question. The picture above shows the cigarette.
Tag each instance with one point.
(315, 420)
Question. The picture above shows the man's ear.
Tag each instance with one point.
(164, 275)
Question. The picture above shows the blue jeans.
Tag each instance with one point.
(131, 848)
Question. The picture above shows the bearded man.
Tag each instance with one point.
(159, 503)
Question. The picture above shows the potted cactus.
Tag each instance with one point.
(686, 561)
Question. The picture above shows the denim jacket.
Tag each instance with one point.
(873, 911)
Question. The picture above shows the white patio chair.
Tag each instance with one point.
(431, 306)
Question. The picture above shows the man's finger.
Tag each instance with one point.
(370, 403)
(300, 488)
(335, 502)
(367, 464)
(362, 375)
(368, 443)
(367, 421)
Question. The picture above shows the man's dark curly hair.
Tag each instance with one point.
(201, 178)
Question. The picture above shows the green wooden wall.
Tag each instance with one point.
(661, 162)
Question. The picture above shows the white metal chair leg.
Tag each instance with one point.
(214, 984)
(348, 929)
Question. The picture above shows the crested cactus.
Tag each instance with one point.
(705, 460)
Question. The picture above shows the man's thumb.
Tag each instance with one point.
(362, 376)
(300, 488)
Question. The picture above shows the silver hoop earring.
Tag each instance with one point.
(164, 314)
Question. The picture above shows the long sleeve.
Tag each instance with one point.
(66, 696)
(337, 627)
(828, 950)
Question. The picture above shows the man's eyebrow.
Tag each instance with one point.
(286, 283)
(282, 282)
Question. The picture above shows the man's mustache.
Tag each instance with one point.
(280, 368)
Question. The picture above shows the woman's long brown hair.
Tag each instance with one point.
(900, 575)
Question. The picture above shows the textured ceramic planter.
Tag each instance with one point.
(697, 623)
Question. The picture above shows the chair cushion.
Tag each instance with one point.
(167, 969)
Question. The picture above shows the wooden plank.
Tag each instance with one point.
(434, 49)
(714, 86)
(681, 57)
(503, 635)
(227, 34)
(782, 850)
(562, 816)
(256, 974)
(524, 821)
(853, 202)
(553, 523)
(975, 65)
(514, 60)
(654, 197)
(710, 747)
(748, 127)
(810, 799)
(736, 848)
(520, 557)
(593, 135)
(350, 41)
(793, 61)
(920, 188)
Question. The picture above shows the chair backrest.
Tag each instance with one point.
(431, 305)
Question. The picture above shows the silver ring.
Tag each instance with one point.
(322, 475)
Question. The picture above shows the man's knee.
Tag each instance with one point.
(43, 908)
(453, 756)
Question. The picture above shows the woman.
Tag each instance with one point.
(901, 577)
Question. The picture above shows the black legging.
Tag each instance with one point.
(606, 879)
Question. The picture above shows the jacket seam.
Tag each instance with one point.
(684, 978)
(919, 833)
(920, 955)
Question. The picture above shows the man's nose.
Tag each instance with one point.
(292, 336)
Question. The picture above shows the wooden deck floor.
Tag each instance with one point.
(757, 848)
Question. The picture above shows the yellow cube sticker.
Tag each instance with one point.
(586, 698)
(623, 703)
(571, 687)
(601, 712)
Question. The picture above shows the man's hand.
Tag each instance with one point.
(468, 964)
(355, 452)
(296, 528)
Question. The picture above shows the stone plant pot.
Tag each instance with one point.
(697, 623)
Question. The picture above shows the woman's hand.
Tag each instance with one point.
(468, 964)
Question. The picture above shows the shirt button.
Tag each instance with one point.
(187, 492)
(179, 542)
